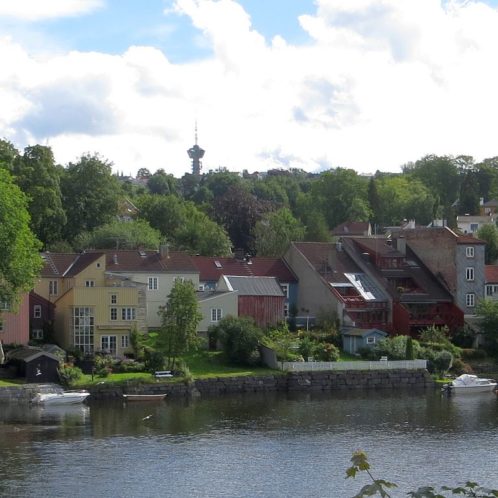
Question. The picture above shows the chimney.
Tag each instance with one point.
(164, 250)
(401, 245)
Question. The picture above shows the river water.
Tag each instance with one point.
(272, 445)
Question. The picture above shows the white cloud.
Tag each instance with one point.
(36, 10)
(381, 82)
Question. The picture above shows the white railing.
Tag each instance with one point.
(313, 366)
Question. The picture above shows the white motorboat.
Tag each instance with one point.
(467, 383)
(62, 398)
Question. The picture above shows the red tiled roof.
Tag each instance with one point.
(148, 261)
(351, 228)
(257, 267)
(491, 273)
(70, 264)
(468, 239)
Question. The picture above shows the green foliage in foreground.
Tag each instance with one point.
(380, 487)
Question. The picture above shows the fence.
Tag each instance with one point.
(315, 366)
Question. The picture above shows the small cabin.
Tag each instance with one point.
(355, 339)
(35, 365)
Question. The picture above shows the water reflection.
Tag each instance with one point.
(250, 445)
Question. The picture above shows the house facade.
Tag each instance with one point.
(471, 224)
(94, 310)
(41, 313)
(211, 269)
(14, 324)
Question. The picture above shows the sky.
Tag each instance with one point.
(311, 84)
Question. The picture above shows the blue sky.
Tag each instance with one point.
(314, 84)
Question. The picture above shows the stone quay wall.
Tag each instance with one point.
(322, 381)
(290, 382)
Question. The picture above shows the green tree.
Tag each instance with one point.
(161, 183)
(35, 172)
(8, 154)
(20, 261)
(469, 194)
(179, 319)
(487, 311)
(120, 235)
(276, 231)
(239, 338)
(489, 233)
(410, 355)
(90, 194)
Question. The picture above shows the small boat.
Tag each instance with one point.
(61, 398)
(467, 383)
(144, 397)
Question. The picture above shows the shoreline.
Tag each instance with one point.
(323, 381)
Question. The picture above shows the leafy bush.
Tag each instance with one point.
(239, 338)
(154, 360)
(306, 347)
(367, 354)
(103, 365)
(443, 346)
(69, 374)
(442, 362)
(127, 366)
(282, 342)
(395, 348)
(459, 367)
(325, 351)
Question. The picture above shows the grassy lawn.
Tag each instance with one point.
(206, 364)
(11, 382)
(349, 357)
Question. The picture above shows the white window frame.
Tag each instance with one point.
(37, 311)
(469, 274)
(4, 306)
(285, 290)
(128, 314)
(53, 287)
(89, 283)
(153, 283)
(125, 341)
(109, 340)
(370, 340)
(114, 299)
(474, 227)
(216, 314)
(84, 328)
(470, 300)
(286, 310)
(113, 314)
(469, 251)
(37, 334)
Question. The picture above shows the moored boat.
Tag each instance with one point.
(61, 398)
(467, 383)
(144, 397)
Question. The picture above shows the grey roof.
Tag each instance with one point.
(28, 354)
(363, 332)
(256, 286)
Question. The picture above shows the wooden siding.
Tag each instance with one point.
(266, 310)
(16, 325)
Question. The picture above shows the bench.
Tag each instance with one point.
(161, 374)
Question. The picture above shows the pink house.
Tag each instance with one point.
(14, 328)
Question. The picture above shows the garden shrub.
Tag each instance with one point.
(395, 348)
(127, 366)
(459, 367)
(239, 338)
(325, 351)
(442, 362)
(154, 360)
(306, 347)
(103, 365)
(69, 374)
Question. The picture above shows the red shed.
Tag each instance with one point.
(261, 298)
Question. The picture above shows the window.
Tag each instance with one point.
(90, 283)
(37, 311)
(152, 283)
(128, 314)
(474, 227)
(114, 298)
(83, 328)
(108, 344)
(216, 314)
(469, 252)
(4, 306)
(285, 289)
(53, 289)
(201, 288)
(286, 309)
(370, 340)
(470, 300)
(114, 314)
(469, 273)
(125, 341)
(37, 334)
